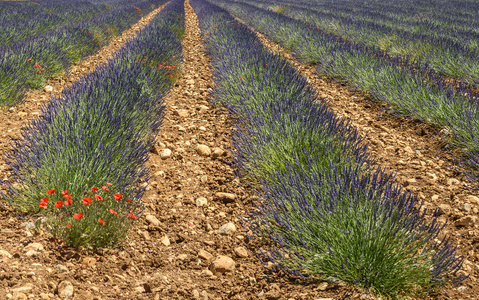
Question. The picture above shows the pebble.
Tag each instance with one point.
(207, 273)
(410, 181)
(65, 289)
(205, 255)
(181, 113)
(165, 153)
(222, 264)
(89, 262)
(466, 207)
(444, 209)
(203, 108)
(5, 254)
(31, 253)
(462, 288)
(227, 229)
(153, 220)
(61, 269)
(144, 234)
(20, 296)
(29, 226)
(241, 252)
(226, 197)
(323, 286)
(472, 199)
(203, 150)
(201, 201)
(217, 152)
(453, 181)
(408, 150)
(25, 288)
(165, 240)
(48, 88)
(33, 247)
(466, 221)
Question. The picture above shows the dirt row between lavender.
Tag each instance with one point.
(414, 151)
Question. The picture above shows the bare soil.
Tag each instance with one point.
(172, 253)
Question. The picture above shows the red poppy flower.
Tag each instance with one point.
(68, 202)
(69, 196)
(118, 197)
(37, 65)
(78, 216)
(111, 211)
(132, 216)
(29, 59)
(64, 192)
(49, 192)
(69, 225)
(109, 183)
(42, 205)
(129, 200)
(94, 189)
(98, 197)
(59, 204)
(86, 201)
(105, 189)
(101, 221)
(44, 200)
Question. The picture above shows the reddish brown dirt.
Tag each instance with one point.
(148, 267)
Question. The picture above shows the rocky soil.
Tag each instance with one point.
(189, 244)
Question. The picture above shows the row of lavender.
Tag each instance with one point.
(327, 208)
(99, 131)
(29, 62)
(411, 89)
(18, 16)
(442, 34)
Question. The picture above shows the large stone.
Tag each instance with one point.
(165, 153)
(227, 229)
(65, 289)
(48, 88)
(203, 150)
(152, 220)
(222, 264)
(226, 197)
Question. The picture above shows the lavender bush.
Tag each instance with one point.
(51, 52)
(412, 89)
(100, 130)
(327, 209)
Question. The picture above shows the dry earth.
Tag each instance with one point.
(190, 244)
